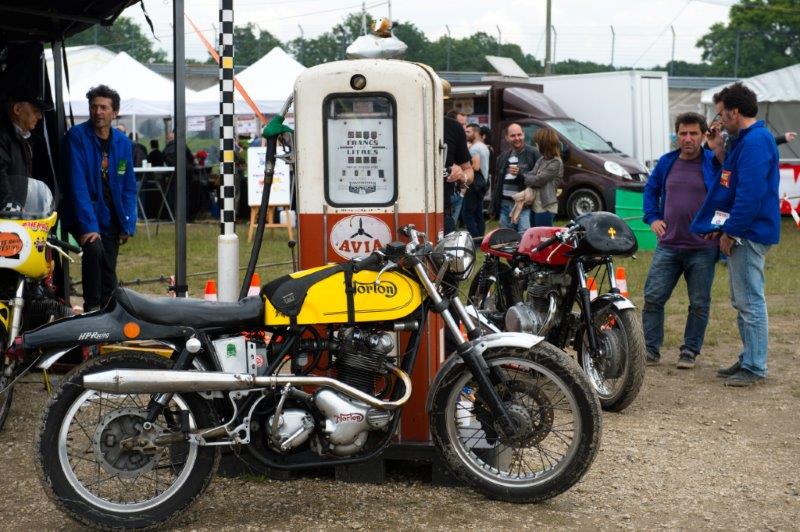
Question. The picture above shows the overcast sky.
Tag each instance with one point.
(643, 35)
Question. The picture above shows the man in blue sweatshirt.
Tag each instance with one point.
(675, 191)
(743, 209)
(99, 206)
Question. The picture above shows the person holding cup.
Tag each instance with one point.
(511, 165)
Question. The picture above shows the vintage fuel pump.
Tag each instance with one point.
(369, 149)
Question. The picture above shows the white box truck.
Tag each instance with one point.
(630, 109)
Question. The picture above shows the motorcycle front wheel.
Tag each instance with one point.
(7, 375)
(87, 467)
(552, 402)
(618, 376)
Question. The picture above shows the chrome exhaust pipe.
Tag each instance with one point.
(551, 316)
(150, 381)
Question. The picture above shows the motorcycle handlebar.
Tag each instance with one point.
(375, 259)
(64, 245)
(558, 237)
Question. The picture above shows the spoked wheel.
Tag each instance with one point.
(7, 375)
(101, 461)
(617, 376)
(554, 407)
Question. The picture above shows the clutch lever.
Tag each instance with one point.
(389, 266)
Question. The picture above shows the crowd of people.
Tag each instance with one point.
(714, 197)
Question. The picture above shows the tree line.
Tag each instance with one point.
(760, 35)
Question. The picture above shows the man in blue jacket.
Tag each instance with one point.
(743, 210)
(99, 207)
(673, 194)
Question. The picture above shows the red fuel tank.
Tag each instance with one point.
(553, 255)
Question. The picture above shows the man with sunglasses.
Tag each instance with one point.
(100, 194)
(742, 210)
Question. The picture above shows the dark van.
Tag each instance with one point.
(593, 169)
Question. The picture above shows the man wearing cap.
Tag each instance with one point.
(100, 194)
(19, 117)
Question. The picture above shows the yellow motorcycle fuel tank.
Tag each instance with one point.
(23, 245)
(395, 297)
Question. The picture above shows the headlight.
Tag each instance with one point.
(459, 247)
(615, 169)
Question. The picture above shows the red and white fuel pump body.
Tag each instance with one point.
(369, 159)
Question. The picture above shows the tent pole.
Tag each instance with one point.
(58, 82)
(179, 84)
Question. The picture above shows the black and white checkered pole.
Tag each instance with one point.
(228, 244)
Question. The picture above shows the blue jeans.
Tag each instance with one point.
(524, 222)
(542, 219)
(472, 213)
(697, 267)
(746, 272)
(456, 201)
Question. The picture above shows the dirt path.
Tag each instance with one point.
(689, 453)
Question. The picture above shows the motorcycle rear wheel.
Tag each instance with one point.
(616, 330)
(87, 472)
(547, 393)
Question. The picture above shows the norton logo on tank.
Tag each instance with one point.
(359, 235)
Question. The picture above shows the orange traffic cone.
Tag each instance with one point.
(622, 283)
(592, 286)
(255, 285)
(211, 290)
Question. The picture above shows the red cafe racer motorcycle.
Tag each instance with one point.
(532, 284)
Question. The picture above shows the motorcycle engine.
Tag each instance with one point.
(359, 357)
(531, 316)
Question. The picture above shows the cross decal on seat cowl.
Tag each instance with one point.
(612, 232)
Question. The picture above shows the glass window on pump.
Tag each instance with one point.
(25, 198)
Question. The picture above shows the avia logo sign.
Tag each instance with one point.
(349, 417)
(386, 288)
(359, 235)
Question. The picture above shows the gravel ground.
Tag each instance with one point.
(689, 453)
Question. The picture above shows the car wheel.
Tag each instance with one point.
(583, 201)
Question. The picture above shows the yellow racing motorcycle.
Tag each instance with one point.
(308, 374)
(27, 296)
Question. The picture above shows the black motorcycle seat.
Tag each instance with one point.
(195, 313)
(503, 236)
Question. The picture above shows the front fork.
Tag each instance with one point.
(17, 305)
(585, 302)
(487, 378)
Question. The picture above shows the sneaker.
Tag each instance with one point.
(724, 373)
(686, 360)
(743, 378)
(652, 358)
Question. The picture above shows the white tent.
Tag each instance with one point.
(82, 61)
(268, 82)
(778, 94)
(142, 91)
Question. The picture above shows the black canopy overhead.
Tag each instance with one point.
(54, 20)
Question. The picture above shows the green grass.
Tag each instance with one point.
(147, 258)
